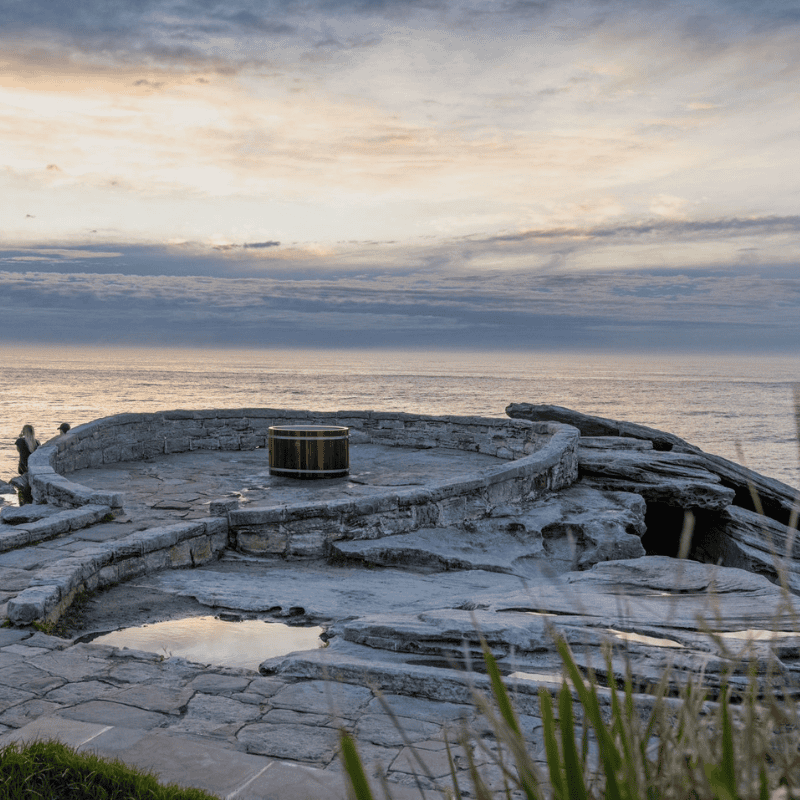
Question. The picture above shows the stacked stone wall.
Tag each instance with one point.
(186, 544)
(303, 531)
(534, 457)
(133, 437)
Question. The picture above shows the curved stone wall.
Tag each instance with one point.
(541, 458)
(535, 447)
(536, 457)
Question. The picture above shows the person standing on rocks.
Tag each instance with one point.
(26, 444)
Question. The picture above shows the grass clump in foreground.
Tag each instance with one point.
(51, 771)
(611, 744)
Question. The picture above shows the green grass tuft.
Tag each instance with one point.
(50, 770)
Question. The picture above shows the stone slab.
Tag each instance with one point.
(219, 684)
(221, 709)
(573, 529)
(70, 732)
(19, 515)
(613, 443)
(109, 713)
(184, 761)
(403, 706)
(295, 742)
(71, 665)
(294, 782)
(286, 781)
(598, 426)
(746, 540)
(20, 675)
(12, 636)
(106, 532)
(323, 591)
(15, 580)
(151, 492)
(24, 650)
(167, 700)
(380, 729)
(27, 712)
(10, 696)
(323, 697)
(777, 499)
(80, 692)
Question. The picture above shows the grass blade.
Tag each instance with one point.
(354, 768)
(452, 765)
(609, 753)
(499, 690)
(514, 739)
(551, 744)
(573, 769)
(728, 764)
(722, 776)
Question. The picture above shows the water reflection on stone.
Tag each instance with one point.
(209, 640)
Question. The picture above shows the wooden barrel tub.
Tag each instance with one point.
(309, 452)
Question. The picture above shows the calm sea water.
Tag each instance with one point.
(717, 403)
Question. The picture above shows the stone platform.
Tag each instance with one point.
(182, 486)
(592, 560)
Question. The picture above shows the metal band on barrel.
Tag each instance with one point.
(305, 471)
(309, 438)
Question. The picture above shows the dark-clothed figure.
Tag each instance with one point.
(26, 444)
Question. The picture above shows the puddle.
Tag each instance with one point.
(539, 677)
(756, 635)
(210, 640)
(642, 639)
(9, 500)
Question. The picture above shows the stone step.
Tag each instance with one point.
(33, 523)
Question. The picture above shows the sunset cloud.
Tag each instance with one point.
(588, 142)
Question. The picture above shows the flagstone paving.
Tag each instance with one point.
(182, 485)
(231, 732)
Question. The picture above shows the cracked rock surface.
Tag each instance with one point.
(594, 563)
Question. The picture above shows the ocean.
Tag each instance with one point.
(740, 407)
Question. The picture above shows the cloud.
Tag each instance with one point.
(731, 226)
(175, 31)
(512, 309)
(544, 136)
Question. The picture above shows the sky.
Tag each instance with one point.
(415, 173)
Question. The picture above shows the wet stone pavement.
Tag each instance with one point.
(276, 739)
